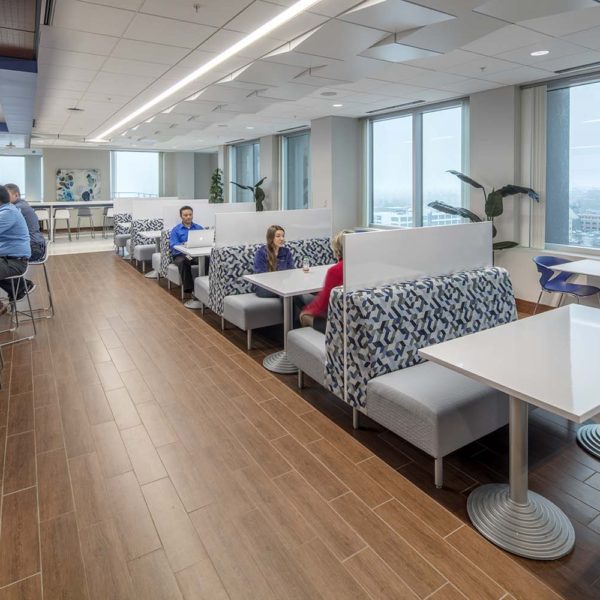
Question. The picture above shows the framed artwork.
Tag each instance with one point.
(77, 185)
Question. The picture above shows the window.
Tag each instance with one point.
(245, 169)
(12, 170)
(135, 174)
(573, 160)
(295, 170)
(409, 156)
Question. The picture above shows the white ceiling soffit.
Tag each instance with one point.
(515, 11)
(392, 50)
(269, 74)
(567, 23)
(393, 15)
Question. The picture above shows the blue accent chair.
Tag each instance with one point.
(559, 284)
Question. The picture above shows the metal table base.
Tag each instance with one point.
(588, 437)
(278, 362)
(512, 517)
(151, 275)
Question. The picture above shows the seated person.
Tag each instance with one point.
(273, 256)
(179, 236)
(315, 313)
(36, 239)
(14, 245)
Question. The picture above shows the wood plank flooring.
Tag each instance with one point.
(147, 455)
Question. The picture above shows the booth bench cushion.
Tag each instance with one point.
(436, 409)
(201, 289)
(248, 311)
(306, 349)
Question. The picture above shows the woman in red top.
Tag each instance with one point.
(315, 313)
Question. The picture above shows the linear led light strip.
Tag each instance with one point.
(256, 35)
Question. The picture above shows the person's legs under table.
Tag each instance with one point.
(9, 267)
(184, 264)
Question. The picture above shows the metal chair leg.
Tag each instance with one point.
(560, 300)
(300, 379)
(538, 302)
(355, 416)
(248, 339)
(439, 472)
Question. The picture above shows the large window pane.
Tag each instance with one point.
(296, 171)
(442, 150)
(12, 170)
(573, 174)
(135, 174)
(245, 159)
(392, 175)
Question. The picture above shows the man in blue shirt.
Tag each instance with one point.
(179, 236)
(36, 239)
(14, 244)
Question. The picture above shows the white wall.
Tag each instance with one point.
(269, 168)
(178, 174)
(335, 162)
(204, 165)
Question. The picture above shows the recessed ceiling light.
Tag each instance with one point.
(259, 33)
(249, 127)
(539, 53)
(338, 105)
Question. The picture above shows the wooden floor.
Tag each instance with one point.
(148, 456)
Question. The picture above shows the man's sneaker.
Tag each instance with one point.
(21, 292)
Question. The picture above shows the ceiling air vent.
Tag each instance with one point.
(592, 65)
(235, 141)
(370, 112)
(75, 109)
(291, 129)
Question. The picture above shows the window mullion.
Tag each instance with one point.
(418, 170)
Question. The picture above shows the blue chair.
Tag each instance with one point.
(558, 284)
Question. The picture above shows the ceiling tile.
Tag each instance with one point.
(482, 66)
(157, 53)
(66, 59)
(213, 13)
(76, 41)
(520, 75)
(93, 18)
(269, 74)
(505, 39)
(57, 74)
(566, 23)
(147, 28)
(114, 83)
(514, 11)
(557, 48)
(590, 38)
(571, 61)
(134, 67)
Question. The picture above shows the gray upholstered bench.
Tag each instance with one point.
(248, 312)
(433, 408)
(201, 288)
(173, 277)
(143, 253)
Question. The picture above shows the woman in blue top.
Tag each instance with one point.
(274, 256)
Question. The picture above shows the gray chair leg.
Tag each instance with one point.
(182, 292)
(538, 302)
(248, 338)
(560, 300)
(143, 266)
(355, 422)
(168, 284)
(222, 324)
(300, 379)
(439, 472)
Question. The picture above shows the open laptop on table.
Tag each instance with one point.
(200, 238)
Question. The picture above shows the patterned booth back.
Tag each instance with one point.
(387, 325)
(230, 263)
(119, 219)
(165, 252)
(139, 225)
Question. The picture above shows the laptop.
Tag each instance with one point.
(200, 238)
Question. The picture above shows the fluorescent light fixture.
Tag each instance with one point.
(170, 109)
(539, 53)
(246, 41)
(337, 105)
(195, 96)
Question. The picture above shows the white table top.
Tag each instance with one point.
(581, 267)
(291, 282)
(194, 252)
(151, 234)
(74, 204)
(550, 360)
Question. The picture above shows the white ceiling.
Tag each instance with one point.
(108, 57)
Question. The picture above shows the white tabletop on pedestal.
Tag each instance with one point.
(291, 282)
(580, 267)
(549, 360)
(194, 252)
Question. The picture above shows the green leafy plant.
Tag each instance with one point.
(216, 187)
(494, 205)
(257, 192)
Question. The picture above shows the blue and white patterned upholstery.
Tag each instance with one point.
(119, 219)
(229, 264)
(139, 225)
(165, 252)
(387, 325)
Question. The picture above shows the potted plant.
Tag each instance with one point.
(216, 187)
(257, 192)
(494, 205)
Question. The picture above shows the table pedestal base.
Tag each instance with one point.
(278, 362)
(537, 529)
(588, 437)
(193, 304)
(151, 275)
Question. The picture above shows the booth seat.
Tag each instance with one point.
(121, 234)
(163, 262)
(433, 408)
(139, 248)
(227, 294)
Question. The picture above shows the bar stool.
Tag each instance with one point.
(15, 282)
(50, 308)
(43, 215)
(85, 212)
(62, 214)
(108, 220)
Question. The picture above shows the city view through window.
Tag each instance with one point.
(395, 201)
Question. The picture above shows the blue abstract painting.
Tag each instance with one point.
(77, 185)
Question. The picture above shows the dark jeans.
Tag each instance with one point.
(37, 251)
(8, 268)
(185, 272)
